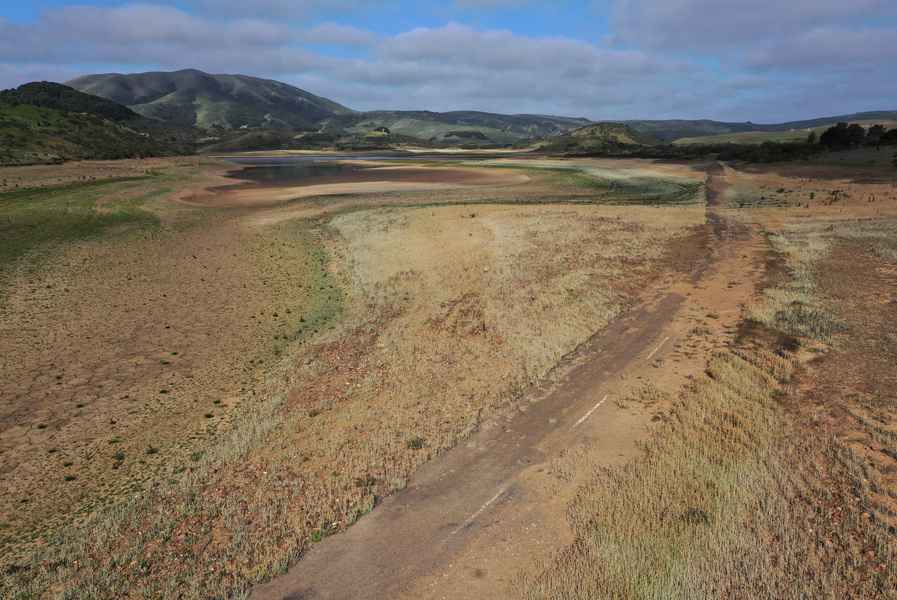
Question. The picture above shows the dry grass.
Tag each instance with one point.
(441, 309)
(748, 490)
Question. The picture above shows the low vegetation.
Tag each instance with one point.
(400, 379)
(50, 123)
(747, 490)
(36, 221)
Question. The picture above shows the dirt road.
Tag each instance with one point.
(474, 516)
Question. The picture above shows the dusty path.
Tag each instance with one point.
(475, 515)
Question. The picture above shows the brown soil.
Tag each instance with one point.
(850, 392)
(123, 358)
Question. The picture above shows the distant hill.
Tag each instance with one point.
(458, 127)
(192, 98)
(61, 97)
(613, 132)
(47, 122)
(239, 112)
(676, 129)
(597, 137)
(797, 134)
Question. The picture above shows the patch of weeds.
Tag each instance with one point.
(365, 482)
(696, 516)
(416, 443)
(34, 220)
(329, 529)
(119, 456)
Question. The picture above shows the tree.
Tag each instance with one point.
(873, 137)
(856, 135)
(812, 138)
(889, 138)
(843, 136)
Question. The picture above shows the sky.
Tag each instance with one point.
(734, 60)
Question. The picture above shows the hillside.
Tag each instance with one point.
(598, 137)
(243, 113)
(780, 136)
(458, 127)
(192, 98)
(47, 123)
(676, 129)
(61, 97)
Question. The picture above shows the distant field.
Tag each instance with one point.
(759, 137)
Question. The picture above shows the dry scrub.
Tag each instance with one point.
(755, 487)
(442, 308)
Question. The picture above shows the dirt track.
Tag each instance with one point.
(475, 516)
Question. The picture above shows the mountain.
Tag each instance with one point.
(192, 98)
(242, 113)
(45, 122)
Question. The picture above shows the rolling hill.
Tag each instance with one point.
(191, 98)
(797, 134)
(45, 122)
(597, 137)
(669, 131)
(239, 112)
(459, 127)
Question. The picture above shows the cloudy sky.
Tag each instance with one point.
(759, 60)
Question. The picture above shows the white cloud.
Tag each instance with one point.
(651, 73)
(341, 35)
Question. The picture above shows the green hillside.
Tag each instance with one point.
(45, 94)
(47, 122)
(458, 127)
(192, 98)
(598, 137)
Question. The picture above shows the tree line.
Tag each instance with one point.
(853, 135)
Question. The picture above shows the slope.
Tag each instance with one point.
(193, 98)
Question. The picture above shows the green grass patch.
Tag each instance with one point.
(34, 222)
(323, 304)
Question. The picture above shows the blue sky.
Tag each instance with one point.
(759, 60)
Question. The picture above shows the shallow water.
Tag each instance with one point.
(290, 173)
